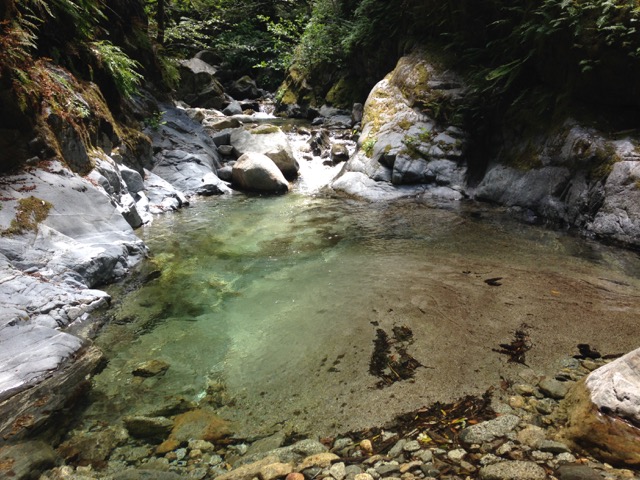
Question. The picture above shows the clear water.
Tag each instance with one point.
(274, 302)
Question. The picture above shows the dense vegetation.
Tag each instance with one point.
(533, 54)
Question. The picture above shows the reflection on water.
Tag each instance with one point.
(266, 307)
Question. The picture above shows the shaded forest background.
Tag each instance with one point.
(535, 56)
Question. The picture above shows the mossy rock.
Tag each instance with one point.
(264, 130)
(344, 93)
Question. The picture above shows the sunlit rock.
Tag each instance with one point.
(256, 172)
(603, 411)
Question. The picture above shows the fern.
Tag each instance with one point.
(119, 65)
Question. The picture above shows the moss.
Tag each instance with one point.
(525, 160)
(30, 213)
(605, 162)
(343, 93)
(264, 130)
(405, 124)
(367, 146)
(637, 184)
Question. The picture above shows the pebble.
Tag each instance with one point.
(388, 468)
(531, 435)
(456, 455)
(338, 471)
(411, 446)
(524, 389)
(366, 446)
(363, 476)
(553, 447)
(426, 456)
(322, 460)
(406, 467)
(554, 388)
(373, 473)
(295, 476)
(396, 450)
(488, 431)
(342, 443)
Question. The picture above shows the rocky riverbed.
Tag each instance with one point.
(513, 432)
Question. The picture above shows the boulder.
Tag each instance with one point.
(244, 87)
(604, 411)
(198, 85)
(403, 145)
(268, 140)
(619, 217)
(257, 172)
(187, 157)
(339, 153)
(233, 108)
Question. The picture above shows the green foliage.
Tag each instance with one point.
(155, 120)
(322, 40)
(121, 68)
(368, 145)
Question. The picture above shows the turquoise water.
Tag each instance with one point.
(266, 308)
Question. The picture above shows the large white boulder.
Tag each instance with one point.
(256, 172)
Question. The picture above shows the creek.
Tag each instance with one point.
(267, 308)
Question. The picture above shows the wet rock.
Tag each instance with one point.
(30, 408)
(339, 153)
(24, 461)
(151, 368)
(197, 424)
(92, 448)
(233, 108)
(135, 474)
(513, 470)
(268, 140)
(148, 427)
(295, 476)
(490, 430)
(554, 388)
(257, 172)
